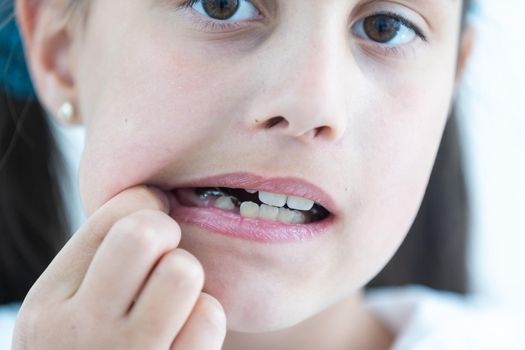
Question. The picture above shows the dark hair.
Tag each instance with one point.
(32, 220)
(33, 224)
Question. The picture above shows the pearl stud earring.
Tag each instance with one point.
(65, 112)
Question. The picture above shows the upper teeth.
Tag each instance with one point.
(299, 203)
(279, 200)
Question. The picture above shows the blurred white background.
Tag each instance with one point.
(492, 100)
(493, 123)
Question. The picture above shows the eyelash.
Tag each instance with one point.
(403, 21)
(386, 50)
(207, 24)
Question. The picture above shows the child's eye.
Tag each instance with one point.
(387, 29)
(222, 14)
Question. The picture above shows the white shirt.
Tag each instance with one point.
(421, 318)
(426, 319)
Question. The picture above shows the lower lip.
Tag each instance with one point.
(263, 231)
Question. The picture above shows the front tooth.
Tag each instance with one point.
(249, 210)
(299, 203)
(224, 202)
(268, 212)
(285, 215)
(298, 217)
(251, 191)
(277, 200)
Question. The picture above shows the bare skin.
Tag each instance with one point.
(165, 100)
(134, 312)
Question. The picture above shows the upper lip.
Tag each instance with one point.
(291, 186)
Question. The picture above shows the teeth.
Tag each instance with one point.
(299, 203)
(285, 216)
(268, 212)
(277, 200)
(249, 210)
(252, 211)
(224, 202)
(298, 218)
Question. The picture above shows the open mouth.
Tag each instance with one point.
(253, 204)
(252, 207)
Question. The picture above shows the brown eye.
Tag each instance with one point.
(381, 28)
(220, 9)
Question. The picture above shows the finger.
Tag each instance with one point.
(67, 270)
(124, 260)
(168, 297)
(205, 328)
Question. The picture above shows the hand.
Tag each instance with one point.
(121, 283)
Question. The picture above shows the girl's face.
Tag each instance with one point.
(169, 95)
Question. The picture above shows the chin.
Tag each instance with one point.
(253, 309)
(257, 293)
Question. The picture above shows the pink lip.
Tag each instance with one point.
(264, 231)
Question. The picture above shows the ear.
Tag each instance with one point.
(466, 45)
(47, 33)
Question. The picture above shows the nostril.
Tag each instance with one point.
(320, 130)
(275, 121)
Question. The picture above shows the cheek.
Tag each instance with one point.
(140, 123)
(397, 142)
(155, 107)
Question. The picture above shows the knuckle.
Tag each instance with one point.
(211, 313)
(135, 231)
(144, 227)
(158, 219)
(184, 267)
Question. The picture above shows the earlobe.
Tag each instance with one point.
(47, 35)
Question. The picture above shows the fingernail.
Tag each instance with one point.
(162, 196)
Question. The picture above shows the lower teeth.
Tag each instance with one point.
(226, 203)
(252, 210)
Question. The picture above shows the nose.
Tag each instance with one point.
(303, 89)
